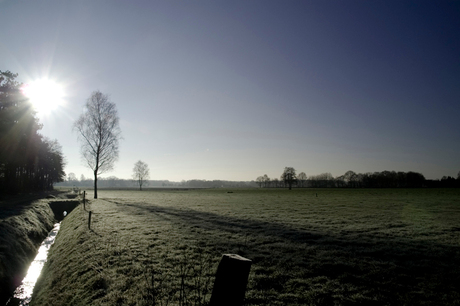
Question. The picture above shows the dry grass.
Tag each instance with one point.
(341, 247)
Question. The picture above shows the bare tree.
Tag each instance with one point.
(141, 173)
(99, 133)
(302, 177)
(71, 177)
(289, 176)
(266, 180)
(260, 180)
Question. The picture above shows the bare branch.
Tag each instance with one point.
(99, 134)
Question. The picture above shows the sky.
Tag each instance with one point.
(233, 90)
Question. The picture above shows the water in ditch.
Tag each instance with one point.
(23, 294)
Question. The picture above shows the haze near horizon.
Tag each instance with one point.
(233, 90)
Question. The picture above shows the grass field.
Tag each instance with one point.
(308, 247)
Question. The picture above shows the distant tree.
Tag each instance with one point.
(266, 181)
(71, 177)
(289, 176)
(340, 181)
(326, 179)
(99, 133)
(415, 179)
(82, 178)
(260, 181)
(141, 173)
(302, 178)
(350, 177)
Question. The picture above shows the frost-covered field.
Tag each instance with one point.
(308, 247)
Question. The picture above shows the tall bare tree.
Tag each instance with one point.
(141, 173)
(99, 134)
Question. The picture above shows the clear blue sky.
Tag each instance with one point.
(237, 89)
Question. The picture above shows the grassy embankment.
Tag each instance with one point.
(343, 247)
(24, 223)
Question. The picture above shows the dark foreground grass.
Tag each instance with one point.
(309, 247)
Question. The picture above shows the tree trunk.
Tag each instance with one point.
(95, 184)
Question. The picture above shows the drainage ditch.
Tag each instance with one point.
(23, 293)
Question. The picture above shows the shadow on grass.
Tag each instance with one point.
(15, 205)
(392, 269)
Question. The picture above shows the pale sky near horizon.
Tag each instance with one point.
(237, 89)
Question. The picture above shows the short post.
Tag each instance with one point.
(84, 199)
(89, 221)
(231, 281)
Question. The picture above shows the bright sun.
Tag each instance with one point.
(45, 95)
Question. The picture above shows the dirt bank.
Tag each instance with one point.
(20, 236)
(23, 226)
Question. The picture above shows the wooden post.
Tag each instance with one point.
(84, 199)
(89, 221)
(231, 281)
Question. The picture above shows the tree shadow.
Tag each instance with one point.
(394, 268)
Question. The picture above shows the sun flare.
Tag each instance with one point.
(45, 95)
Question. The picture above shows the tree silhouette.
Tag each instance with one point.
(260, 181)
(141, 173)
(302, 177)
(99, 133)
(266, 180)
(289, 176)
(28, 161)
(71, 177)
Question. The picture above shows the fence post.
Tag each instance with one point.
(89, 221)
(231, 281)
(84, 199)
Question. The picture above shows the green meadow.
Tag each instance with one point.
(308, 247)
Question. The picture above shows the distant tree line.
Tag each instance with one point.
(384, 179)
(445, 182)
(216, 184)
(28, 161)
(111, 182)
(114, 182)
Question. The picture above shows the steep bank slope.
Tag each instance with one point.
(68, 277)
(21, 233)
